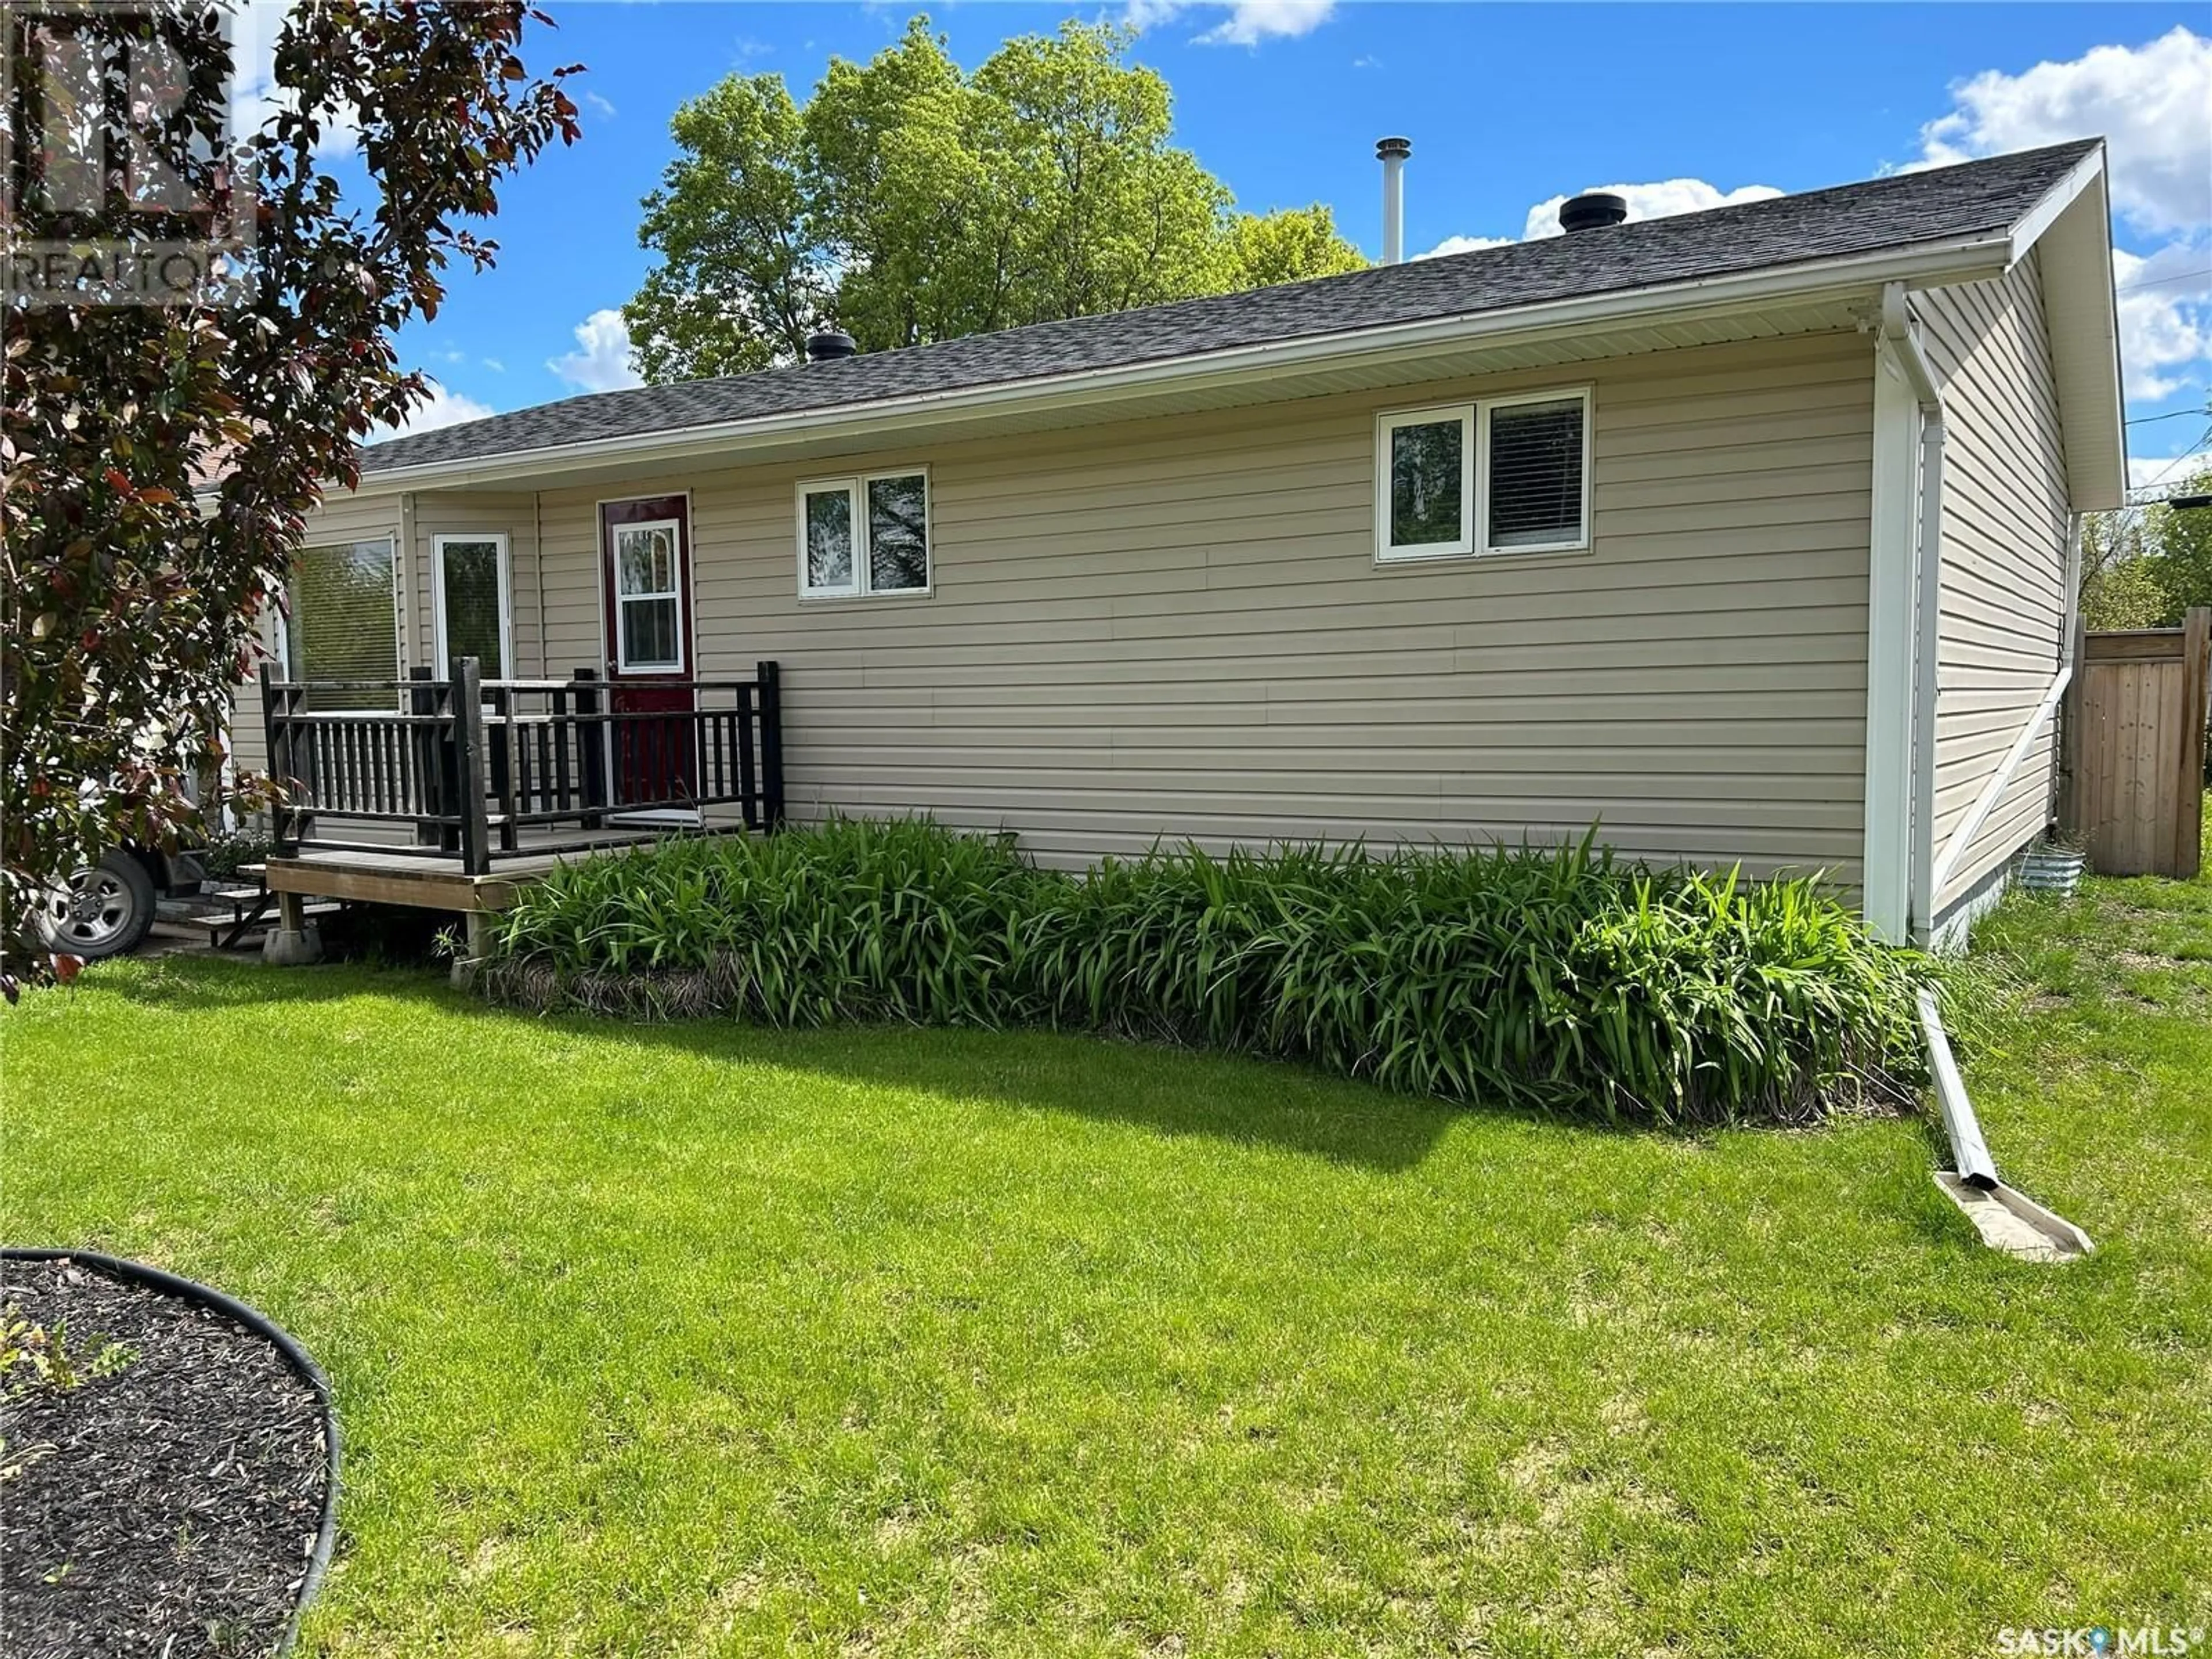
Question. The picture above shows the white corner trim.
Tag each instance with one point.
(1887, 852)
(402, 580)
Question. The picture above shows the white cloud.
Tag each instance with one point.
(2163, 472)
(2165, 303)
(255, 97)
(445, 409)
(1659, 200)
(1249, 21)
(602, 361)
(2154, 102)
(1466, 244)
(600, 104)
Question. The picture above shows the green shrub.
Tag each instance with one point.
(1558, 978)
(229, 851)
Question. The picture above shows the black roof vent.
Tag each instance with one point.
(829, 347)
(1593, 211)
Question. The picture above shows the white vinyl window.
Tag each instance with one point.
(1500, 475)
(864, 535)
(649, 598)
(1427, 469)
(475, 611)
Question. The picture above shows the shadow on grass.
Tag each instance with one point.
(1167, 1090)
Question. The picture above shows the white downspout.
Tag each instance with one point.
(1897, 332)
(1896, 687)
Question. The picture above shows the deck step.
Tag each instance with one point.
(219, 928)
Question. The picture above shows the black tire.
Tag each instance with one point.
(104, 910)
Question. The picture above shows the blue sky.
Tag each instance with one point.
(1507, 107)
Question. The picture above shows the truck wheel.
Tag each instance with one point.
(104, 910)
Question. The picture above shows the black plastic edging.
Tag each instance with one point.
(189, 1290)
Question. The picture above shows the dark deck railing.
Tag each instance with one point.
(470, 764)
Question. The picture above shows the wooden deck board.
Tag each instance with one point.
(428, 881)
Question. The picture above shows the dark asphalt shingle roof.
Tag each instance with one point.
(1938, 205)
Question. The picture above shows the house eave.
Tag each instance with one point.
(2070, 231)
(1259, 370)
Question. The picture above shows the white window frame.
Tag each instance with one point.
(622, 664)
(1576, 543)
(1474, 481)
(1385, 425)
(505, 598)
(856, 488)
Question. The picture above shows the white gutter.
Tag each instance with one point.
(1960, 260)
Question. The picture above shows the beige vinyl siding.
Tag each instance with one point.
(1176, 627)
(2004, 533)
(343, 516)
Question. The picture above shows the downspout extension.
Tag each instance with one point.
(2006, 1219)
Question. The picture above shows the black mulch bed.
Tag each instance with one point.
(167, 1508)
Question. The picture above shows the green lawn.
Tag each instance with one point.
(700, 1341)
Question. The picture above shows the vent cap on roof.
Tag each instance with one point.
(828, 347)
(1593, 211)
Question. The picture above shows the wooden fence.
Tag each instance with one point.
(2135, 738)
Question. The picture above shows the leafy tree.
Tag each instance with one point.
(131, 606)
(2179, 548)
(907, 201)
(2118, 588)
(2147, 566)
(1288, 245)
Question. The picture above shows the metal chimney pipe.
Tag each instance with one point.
(1392, 153)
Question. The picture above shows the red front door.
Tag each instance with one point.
(645, 573)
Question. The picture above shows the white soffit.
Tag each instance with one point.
(2074, 245)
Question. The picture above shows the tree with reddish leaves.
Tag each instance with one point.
(160, 459)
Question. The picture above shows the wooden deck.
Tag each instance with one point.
(426, 881)
(458, 794)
